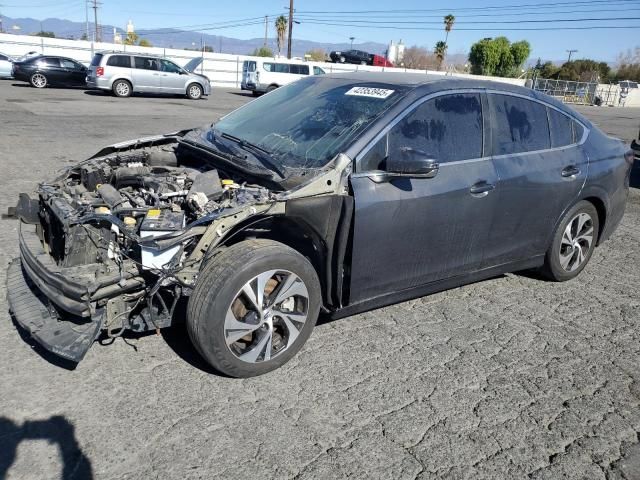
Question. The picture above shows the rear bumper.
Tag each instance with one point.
(98, 83)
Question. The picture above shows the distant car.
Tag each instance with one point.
(380, 61)
(628, 84)
(262, 76)
(45, 70)
(357, 57)
(6, 65)
(127, 73)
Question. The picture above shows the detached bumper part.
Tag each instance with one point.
(66, 338)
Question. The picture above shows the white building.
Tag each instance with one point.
(395, 52)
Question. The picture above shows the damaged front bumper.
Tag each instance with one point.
(62, 308)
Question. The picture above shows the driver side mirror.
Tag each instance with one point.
(409, 162)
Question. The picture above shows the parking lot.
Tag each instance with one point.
(513, 377)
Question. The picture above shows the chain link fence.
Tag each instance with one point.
(580, 93)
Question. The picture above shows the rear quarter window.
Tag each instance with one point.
(97, 58)
(561, 128)
(520, 125)
(119, 61)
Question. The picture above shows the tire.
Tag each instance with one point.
(573, 243)
(38, 80)
(342, 59)
(255, 93)
(194, 91)
(122, 88)
(221, 301)
(271, 88)
(363, 63)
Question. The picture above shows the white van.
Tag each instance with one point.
(263, 75)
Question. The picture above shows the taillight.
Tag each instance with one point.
(99, 71)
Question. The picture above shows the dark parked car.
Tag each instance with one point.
(357, 57)
(45, 70)
(336, 193)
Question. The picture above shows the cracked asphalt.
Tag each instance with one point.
(513, 377)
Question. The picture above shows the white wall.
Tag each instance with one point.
(224, 70)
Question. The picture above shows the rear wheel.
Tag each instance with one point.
(194, 91)
(253, 307)
(573, 243)
(271, 88)
(38, 80)
(122, 88)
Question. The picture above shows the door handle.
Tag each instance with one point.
(481, 188)
(570, 171)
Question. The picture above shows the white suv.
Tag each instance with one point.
(126, 73)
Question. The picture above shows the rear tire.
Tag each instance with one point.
(253, 307)
(194, 91)
(573, 243)
(38, 80)
(122, 88)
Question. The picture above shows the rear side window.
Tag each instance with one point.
(2, 57)
(299, 69)
(145, 63)
(66, 63)
(318, 71)
(119, 61)
(521, 125)
(97, 58)
(52, 62)
(561, 129)
(445, 128)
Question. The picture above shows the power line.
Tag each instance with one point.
(556, 20)
(392, 27)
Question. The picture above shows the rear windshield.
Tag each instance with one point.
(97, 58)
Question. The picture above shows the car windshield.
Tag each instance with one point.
(307, 123)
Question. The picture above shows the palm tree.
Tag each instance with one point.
(281, 30)
(449, 20)
(440, 51)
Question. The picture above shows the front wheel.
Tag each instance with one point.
(573, 243)
(253, 307)
(194, 91)
(38, 80)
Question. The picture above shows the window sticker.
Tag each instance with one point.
(369, 92)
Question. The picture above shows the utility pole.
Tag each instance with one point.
(290, 27)
(86, 17)
(95, 18)
(266, 29)
(1, 30)
(570, 52)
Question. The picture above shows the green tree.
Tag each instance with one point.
(498, 56)
(131, 38)
(548, 70)
(42, 33)
(262, 52)
(144, 43)
(440, 52)
(281, 31)
(584, 70)
(449, 20)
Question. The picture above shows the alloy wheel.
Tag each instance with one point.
(122, 89)
(39, 80)
(194, 91)
(266, 316)
(576, 242)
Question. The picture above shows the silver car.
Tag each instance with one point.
(6, 65)
(126, 73)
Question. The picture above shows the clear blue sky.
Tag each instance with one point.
(603, 44)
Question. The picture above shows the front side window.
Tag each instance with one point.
(123, 61)
(267, 67)
(146, 63)
(167, 66)
(446, 128)
(521, 125)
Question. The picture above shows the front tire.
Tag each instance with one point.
(271, 88)
(253, 307)
(38, 80)
(122, 88)
(194, 91)
(573, 243)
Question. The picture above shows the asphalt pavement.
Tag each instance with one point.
(513, 377)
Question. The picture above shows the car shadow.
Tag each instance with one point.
(244, 94)
(107, 93)
(56, 430)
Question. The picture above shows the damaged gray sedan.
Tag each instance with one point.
(335, 194)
